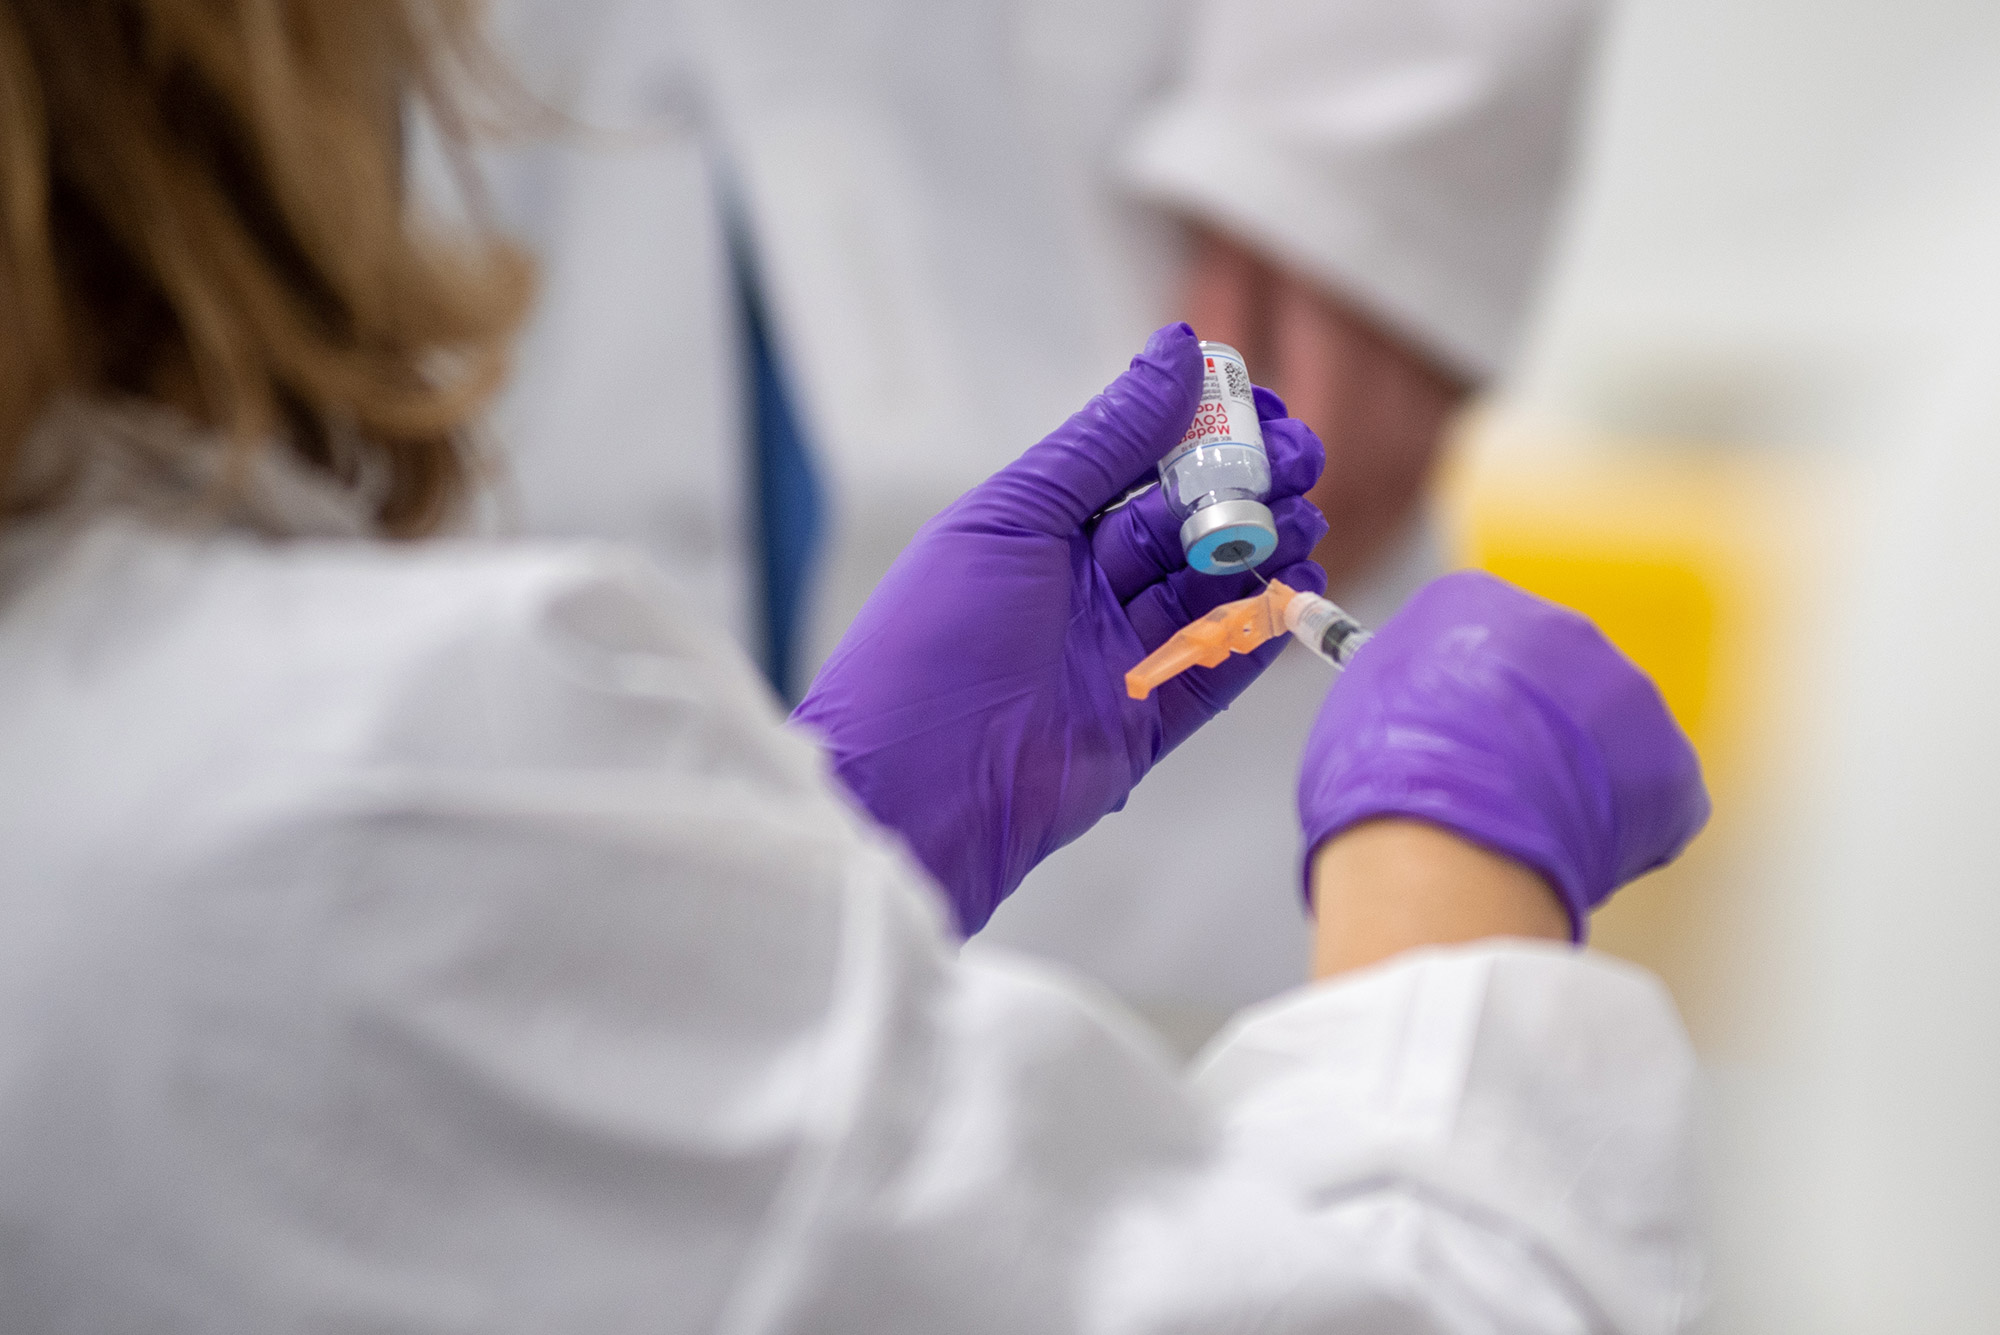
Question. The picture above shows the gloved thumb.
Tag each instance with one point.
(1113, 441)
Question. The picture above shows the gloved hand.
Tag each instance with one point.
(1514, 723)
(977, 705)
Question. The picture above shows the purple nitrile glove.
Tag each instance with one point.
(1512, 722)
(977, 705)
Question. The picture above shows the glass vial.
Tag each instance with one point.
(1218, 477)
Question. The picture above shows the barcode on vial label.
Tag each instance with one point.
(1239, 380)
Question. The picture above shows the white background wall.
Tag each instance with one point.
(1788, 217)
(1789, 240)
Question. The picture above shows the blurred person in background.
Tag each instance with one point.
(418, 934)
(780, 269)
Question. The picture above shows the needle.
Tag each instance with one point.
(1320, 625)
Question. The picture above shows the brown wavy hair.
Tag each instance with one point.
(202, 204)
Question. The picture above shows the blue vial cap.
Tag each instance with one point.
(1225, 538)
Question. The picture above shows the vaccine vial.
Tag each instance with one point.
(1218, 477)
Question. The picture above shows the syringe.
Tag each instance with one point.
(1321, 625)
(1244, 625)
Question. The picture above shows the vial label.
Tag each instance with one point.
(1227, 414)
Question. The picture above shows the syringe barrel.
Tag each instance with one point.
(1324, 628)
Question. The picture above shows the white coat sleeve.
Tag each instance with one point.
(642, 1027)
(1409, 154)
(1474, 1140)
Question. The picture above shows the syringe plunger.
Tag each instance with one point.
(1321, 626)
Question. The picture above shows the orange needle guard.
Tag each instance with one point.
(1233, 628)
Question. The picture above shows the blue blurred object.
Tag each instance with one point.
(789, 500)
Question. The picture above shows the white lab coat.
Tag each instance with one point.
(449, 937)
(962, 214)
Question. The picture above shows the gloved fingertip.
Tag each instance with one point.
(1087, 462)
(1298, 456)
(1269, 406)
(1306, 577)
(1163, 381)
(1297, 516)
(1168, 340)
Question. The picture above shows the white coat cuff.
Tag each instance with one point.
(1545, 1089)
